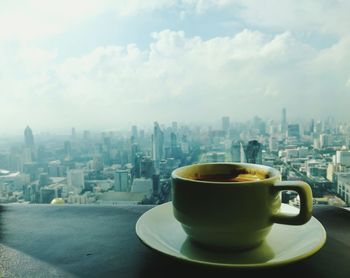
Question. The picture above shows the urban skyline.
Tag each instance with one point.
(134, 167)
(149, 125)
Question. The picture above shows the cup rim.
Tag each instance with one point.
(276, 173)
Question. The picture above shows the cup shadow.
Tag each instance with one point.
(259, 255)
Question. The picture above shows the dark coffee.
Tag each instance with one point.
(246, 177)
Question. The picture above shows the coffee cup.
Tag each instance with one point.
(233, 205)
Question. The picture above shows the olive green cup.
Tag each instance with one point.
(233, 215)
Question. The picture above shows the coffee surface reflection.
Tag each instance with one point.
(230, 178)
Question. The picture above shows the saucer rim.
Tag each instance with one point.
(295, 259)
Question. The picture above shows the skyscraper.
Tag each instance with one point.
(75, 178)
(253, 152)
(174, 149)
(74, 135)
(284, 122)
(28, 137)
(236, 151)
(67, 150)
(157, 146)
(121, 180)
(225, 123)
(174, 126)
(134, 133)
(294, 131)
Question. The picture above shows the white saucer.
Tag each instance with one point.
(159, 230)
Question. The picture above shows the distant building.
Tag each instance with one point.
(43, 179)
(73, 134)
(284, 122)
(325, 140)
(75, 178)
(146, 167)
(142, 185)
(47, 195)
(215, 157)
(134, 132)
(28, 137)
(67, 150)
(55, 169)
(27, 155)
(273, 144)
(225, 123)
(242, 153)
(157, 146)
(343, 188)
(253, 152)
(120, 198)
(121, 180)
(174, 127)
(334, 170)
(236, 151)
(293, 131)
(343, 158)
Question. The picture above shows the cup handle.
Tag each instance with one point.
(305, 194)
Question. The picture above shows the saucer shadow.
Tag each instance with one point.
(259, 255)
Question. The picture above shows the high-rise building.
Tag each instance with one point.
(253, 152)
(157, 146)
(55, 169)
(43, 179)
(121, 180)
(312, 126)
(325, 140)
(67, 150)
(174, 126)
(86, 135)
(146, 167)
(236, 151)
(134, 151)
(28, 137)
(242, 153)
(318, 126)
(27, 155)
(343, 158)
(47, 195)
(137, 165)
(343, 188)
(284, 122)
(293, 131)
(273, 144)
(74, 135)
(134, 133)
(225, 123)
(173, 145)
(75, 178)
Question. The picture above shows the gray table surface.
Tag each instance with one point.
(100, 241)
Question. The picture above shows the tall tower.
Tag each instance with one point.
(157, 146)
(73, 133)
(134, 133)
(225, 123)
(28, 137)
(253, 152)
(284, 122)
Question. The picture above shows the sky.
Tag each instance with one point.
(110, 64)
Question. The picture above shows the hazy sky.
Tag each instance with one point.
(114, 63)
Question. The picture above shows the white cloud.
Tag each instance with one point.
(177, 76)
(322, 16)
(184, 78)
(32, 19)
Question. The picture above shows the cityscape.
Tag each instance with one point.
(134, 167)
